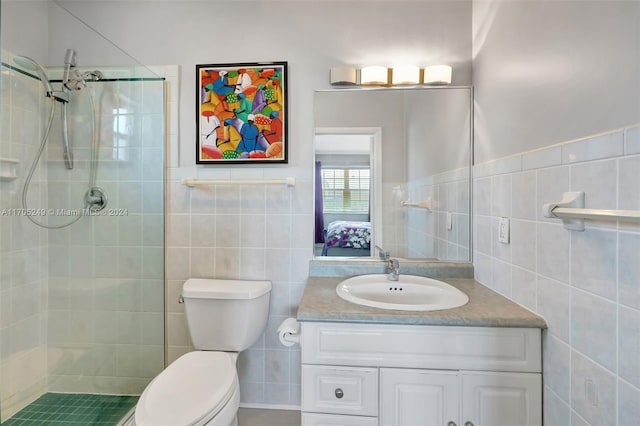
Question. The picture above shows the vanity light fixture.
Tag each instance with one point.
(437, 74)
(343, 76)
(396, 76)
(405, 75)
(374, 76)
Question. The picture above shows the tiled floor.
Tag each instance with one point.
(58, 409)
(256, 417)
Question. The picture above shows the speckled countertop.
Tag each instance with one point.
(486, 308)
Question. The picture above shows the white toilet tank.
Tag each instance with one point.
(225, 315)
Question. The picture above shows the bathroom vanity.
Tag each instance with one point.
(478, 364)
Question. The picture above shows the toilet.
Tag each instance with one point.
(201, 387)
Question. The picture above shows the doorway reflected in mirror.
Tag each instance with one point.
(345, 197)
(343, 181)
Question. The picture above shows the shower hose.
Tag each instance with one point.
(92, 171)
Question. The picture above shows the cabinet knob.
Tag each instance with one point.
(468, 424)
(452, 424)
(340, 394)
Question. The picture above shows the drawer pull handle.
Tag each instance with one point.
(452, 424)
(340, 394)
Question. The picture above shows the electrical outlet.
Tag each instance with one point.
(591, 392)
(503, 230)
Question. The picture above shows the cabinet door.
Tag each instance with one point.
(501, 399)
(418, 397)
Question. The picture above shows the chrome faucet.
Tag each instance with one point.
(384, 255)
(393, 269)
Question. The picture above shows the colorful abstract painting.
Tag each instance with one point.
(242, 113)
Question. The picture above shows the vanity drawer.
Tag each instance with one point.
(340, 390)
(415, 346)
(315, 419)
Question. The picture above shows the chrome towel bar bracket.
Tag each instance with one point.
(572, 212)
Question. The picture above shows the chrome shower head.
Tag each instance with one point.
(31, 65)
(70, 58)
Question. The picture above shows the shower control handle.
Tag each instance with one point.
(95, 199)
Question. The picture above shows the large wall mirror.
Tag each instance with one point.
(393, 169)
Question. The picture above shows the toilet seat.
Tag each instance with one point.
(191, 391)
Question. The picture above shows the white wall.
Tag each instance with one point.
(25, 26)
(547, 73)
(551, 71)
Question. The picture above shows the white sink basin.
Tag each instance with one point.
(409, 293)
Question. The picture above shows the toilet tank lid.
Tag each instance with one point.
(203, 288)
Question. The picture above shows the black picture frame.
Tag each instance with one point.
(242, 113)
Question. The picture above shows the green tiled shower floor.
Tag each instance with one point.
(57, 409)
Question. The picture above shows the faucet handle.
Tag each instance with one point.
(384, 255)
(393, 269)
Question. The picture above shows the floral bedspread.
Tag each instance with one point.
(346, 234)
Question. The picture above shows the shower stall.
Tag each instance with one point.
(82, 160)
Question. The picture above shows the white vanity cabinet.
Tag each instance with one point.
(413, 375)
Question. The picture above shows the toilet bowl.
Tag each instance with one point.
(201, 387)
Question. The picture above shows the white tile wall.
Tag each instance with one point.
(106, 292)
(243, 232)
(585, 284)
(632, 141)
(23, 250)
(425, 233)
(593, 391)
(395, 219)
